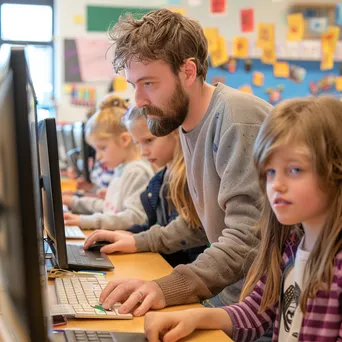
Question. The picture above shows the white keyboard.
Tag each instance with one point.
(79, 297)
(74, 232)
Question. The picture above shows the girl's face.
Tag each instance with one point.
(109, 151)
(157, 150)
(293, 188)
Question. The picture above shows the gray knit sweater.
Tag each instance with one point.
(224, 188)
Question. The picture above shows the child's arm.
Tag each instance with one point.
(86, 205)
(129, 208)
(176, 236)
(172, 326)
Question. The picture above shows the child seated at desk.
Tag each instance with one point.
(115, 149)
(166, 200)
(295, 281)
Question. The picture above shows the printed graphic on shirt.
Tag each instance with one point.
(291, 301)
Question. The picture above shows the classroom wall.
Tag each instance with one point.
(267, 11)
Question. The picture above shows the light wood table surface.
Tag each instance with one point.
(146, 266)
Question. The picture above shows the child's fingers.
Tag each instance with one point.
(176, 333)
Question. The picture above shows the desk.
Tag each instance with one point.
(139, 266)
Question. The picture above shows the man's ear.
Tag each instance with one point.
(189, 69)
(125, 139)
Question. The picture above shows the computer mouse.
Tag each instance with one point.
(96, 246)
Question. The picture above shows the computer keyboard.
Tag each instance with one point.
(80, 296)
(74, 232)
(85, 336)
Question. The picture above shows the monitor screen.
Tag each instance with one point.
(51, 192)
(68, 137)
(22, 276)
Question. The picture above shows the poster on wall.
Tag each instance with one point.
(87, 60)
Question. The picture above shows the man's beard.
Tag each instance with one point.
(167, 121)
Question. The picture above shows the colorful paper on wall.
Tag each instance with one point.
(266, 35)
(339, 14)
(281, 69)
(258, 79)
(268, 56)
(247, 20)
(181, 11)
(296, 26)
(220, 56)
(240, 47)
(176, 2)
(318, 25)
(211, 33)
(119, 83)
(218, 6)
(246, 88)
(338, 83)
(92, 59)
(78, 19)
(329, 39)
(327, 62)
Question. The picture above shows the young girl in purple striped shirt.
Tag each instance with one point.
(296, 279)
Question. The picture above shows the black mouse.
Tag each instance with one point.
(96, 246)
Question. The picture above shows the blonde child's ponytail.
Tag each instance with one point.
(107, 121)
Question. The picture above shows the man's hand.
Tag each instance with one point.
(72, 219)
(137, 296)
(122, 241)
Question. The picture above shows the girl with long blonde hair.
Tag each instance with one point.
(167, 202)
(295, 281)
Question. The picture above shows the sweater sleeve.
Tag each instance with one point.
(248, 324)
(86, 205)
(227, 261)
(133, 184)
(176, 236)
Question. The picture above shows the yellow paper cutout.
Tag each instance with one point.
(181, 11)
(220, 56)
(268, 55)
(120, 83)
(212, 35)
(296, 26)
(246, 89)
(258, 79)
(240, 47)
(329, 39)
(67, 88)
(78, 19)
(281, 69)
(327, 62)
(266, 35)
(338, 83)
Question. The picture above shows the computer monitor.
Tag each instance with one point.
(68, 137)
(22, 273)
(51, 192)
(80, 156)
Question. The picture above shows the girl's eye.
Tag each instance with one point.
(148, 84)
(269, 173)
(295, 170)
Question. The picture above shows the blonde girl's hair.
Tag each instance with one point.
(179, 195)
(179, 189)
(107, 121)
(315, 123)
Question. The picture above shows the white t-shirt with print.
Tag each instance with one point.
(291, 315)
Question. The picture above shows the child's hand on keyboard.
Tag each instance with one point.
(72, 219)
(67, 199)
(123, 242)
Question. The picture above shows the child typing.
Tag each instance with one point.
(166, 196)
(121, 207)
(296, 278)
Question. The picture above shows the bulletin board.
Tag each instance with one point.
(100, 18)
(321, 81)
